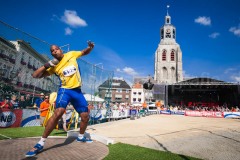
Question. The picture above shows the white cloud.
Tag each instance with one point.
(235, 30)
(68, 31)
(214, 35)
(235, 78)
(229, 70)
(129, 71)
(206, 21)
(118, 70)
(72, 19)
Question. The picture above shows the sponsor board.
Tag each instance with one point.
(168, 112)
(204, 114)
(10, 118)
(231, 114)
(178, 112)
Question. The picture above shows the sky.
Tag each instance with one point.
(126, 33)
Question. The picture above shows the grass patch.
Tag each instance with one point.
(22, 132)
(131, 152)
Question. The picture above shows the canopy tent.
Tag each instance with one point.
(92, 98)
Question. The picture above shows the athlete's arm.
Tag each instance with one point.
(88, 49)
(40, 73)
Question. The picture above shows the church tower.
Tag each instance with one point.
(168, 56)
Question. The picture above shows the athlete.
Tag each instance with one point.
(66, 68)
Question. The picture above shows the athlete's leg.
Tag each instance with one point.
(81, 106)
(84, 122)
(53, 121)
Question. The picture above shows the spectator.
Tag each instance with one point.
(39, 100)
(28, 101)
(14, 101)
(22, 102)
(158, 105)
(144, 105)
(44, 109)
(6, 103)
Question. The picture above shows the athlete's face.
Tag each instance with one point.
(56, 52)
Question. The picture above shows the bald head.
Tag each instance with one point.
(56, 52)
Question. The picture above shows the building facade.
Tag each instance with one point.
(137, 93)
(168, 56)
(115, 90)
(18, 60)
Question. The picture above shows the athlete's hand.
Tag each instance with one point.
(90, 44)
(51, 63)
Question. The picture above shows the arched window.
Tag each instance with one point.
(164, 55)
(162, 33)
(172, 56)
(173, 72)
(165, 73)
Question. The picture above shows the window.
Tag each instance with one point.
(162, 33)
(172, 56)
(139, 93)
(134, 99)
(134, 93)
(119, 90)
(164, 55)
(127, 91)
(116, 84)
(165, 73)
(174, 33)
(139, 99)
(118, 99)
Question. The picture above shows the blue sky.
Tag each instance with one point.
(127, 33)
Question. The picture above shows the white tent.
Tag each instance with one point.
(92, 98)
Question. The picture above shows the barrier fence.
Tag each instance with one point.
(30, 117)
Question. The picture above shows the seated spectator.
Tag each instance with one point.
(28, 101)
(22, 102)
(233, 109)
(14, 101)
(39, 100)
(6, 103)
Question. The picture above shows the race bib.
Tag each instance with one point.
(69, 70)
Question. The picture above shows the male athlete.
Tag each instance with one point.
(66, 68)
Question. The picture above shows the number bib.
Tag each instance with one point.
(69, 70)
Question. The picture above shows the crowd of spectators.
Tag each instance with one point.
(16, 102)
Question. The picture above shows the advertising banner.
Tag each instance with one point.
(30, 117)
(178, 112)
(10, 118)
(204, 114)
(231, 114)
(168, 112)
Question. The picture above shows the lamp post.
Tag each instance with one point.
(68, 45)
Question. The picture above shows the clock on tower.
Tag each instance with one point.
(168, 33)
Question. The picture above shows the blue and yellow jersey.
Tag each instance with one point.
(67, 70)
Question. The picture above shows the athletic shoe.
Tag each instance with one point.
(84, 139)
(35, 150)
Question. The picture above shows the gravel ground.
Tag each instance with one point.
(201, 137)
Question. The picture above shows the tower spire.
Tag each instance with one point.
(167, 9)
